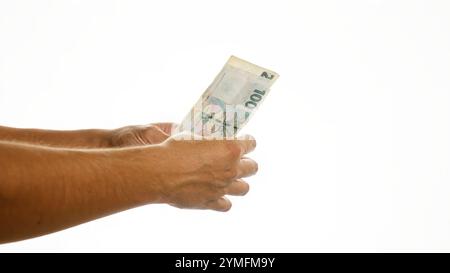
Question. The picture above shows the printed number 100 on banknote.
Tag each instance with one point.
(229, 102)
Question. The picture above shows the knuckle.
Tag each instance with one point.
(231, 173)
(233, 151)
(222, 183)
(216, 193)
(148, 128)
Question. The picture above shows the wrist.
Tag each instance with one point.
(141, 171)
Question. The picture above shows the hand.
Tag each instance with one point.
(138, 135)
(199, 173)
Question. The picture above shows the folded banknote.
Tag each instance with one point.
(229, 102)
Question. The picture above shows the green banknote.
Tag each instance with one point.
(230, 100)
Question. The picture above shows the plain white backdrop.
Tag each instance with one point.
(353, 141)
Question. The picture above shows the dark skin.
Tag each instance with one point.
(52, 180)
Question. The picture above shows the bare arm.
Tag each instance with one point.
(44, 189)
(134, 135)
(89, 138)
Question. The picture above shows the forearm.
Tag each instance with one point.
(90, 138)
(43, 190)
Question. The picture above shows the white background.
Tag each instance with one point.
(353, 141)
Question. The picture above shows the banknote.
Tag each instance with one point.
(229, 101)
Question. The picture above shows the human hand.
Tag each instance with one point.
(138, 135)
(199, 173)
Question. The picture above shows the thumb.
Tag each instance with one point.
(167, 127)
(153, 135)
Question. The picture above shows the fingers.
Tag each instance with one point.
(217, 166)
(246, 167)
(154, 135)
(238, 187)
(166, 127)
(235, 149)
(221, 204)
(247, 144)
